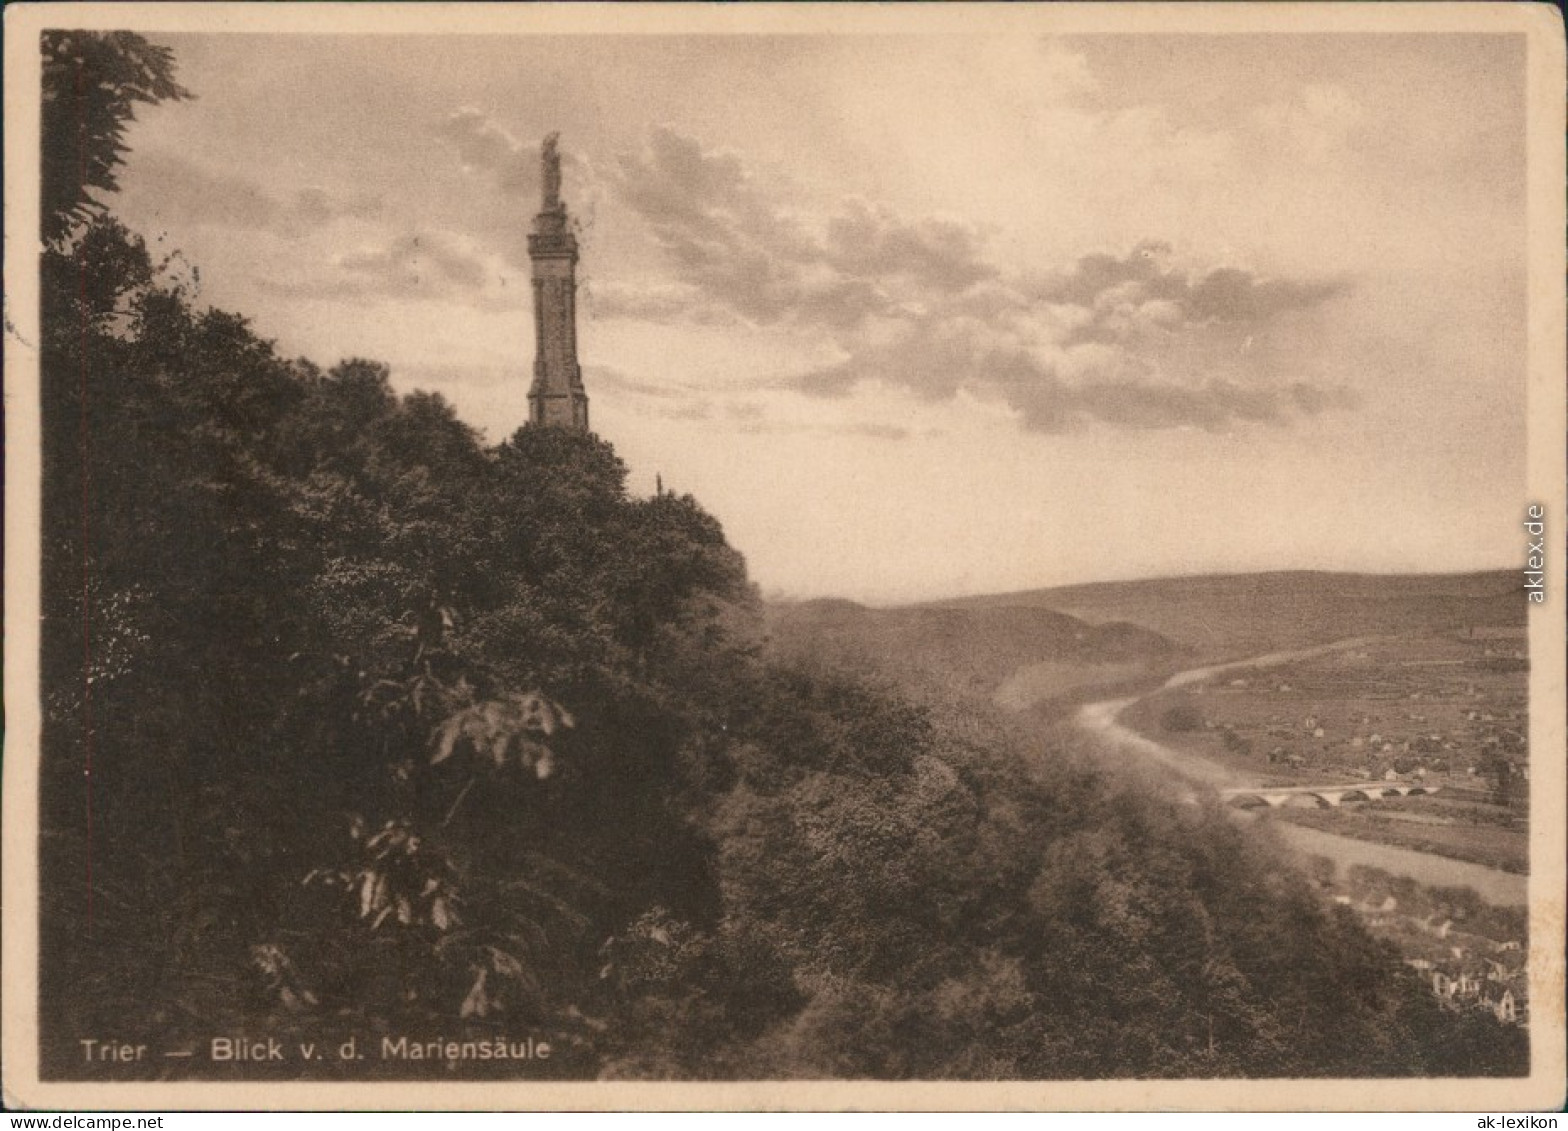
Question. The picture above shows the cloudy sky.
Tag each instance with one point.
(919, 316)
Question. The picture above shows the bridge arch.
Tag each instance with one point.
(1254, 799)
(1328, 797)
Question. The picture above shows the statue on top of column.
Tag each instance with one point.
(550, 159)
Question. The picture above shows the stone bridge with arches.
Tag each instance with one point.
(1322, 796)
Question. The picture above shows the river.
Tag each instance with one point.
(1190, 772)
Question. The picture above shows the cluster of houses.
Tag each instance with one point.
(1487, 984)
(1369, 754)
(1467, 971)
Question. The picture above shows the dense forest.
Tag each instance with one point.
(355, 725)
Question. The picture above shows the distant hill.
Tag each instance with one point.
(1044, 644)
(1229, 616)
(975, 648)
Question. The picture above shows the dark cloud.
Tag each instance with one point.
(1140, 295)
(738, 249)
(699, 200)
(1231, 295)
(178, 187)
(721, 234)
(868, 242)
(1096, 274)
(482, 143)
(933, 358)
(1106, 385)
(1113, 341)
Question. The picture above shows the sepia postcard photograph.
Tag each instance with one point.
(784, 556)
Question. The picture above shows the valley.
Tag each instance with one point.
(1414, 688)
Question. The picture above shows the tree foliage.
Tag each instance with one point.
(92, 82)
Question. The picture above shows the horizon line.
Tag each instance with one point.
(783, 598)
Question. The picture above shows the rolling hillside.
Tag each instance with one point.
(1021, 649)
(1231, 616)
(975, 649)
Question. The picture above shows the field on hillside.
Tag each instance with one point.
(1443, 709)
